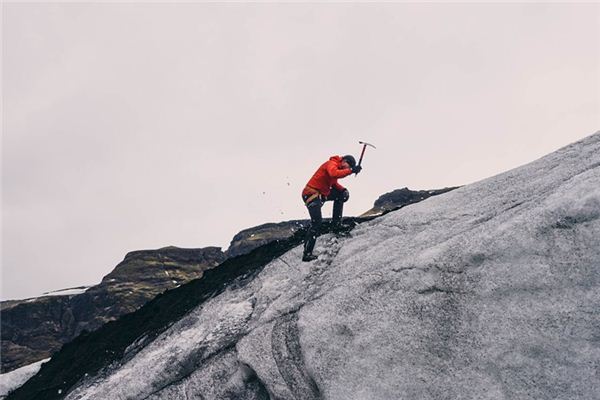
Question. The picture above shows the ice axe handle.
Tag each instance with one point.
(365, 144)
(361, 157)
(362, 154)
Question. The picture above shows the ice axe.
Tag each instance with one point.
(362, 154)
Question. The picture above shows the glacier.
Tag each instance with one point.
(490, 291)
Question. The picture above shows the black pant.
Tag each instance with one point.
(316, 218)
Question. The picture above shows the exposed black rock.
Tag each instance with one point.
(249, 239)
(402, 197)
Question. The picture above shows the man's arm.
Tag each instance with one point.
(334, 172)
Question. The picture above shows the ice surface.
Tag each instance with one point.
(490, 291)
(13, 379)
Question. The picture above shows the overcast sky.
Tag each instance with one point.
(139, 126)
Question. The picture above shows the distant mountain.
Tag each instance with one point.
(33, 329)
(489, 291)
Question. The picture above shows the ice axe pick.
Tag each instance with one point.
(362, 154)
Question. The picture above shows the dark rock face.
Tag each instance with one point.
(252, 238)
(34, 329)
(402, 197)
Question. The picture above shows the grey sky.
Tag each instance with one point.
(135, 126)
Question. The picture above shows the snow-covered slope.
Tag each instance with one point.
(13, 379)
(67, 292)
(490, 291)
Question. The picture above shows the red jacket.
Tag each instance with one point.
(326, 177)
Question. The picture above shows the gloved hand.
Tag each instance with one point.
(356, 169)
(345, 195)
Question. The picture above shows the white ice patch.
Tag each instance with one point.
(14, 379)
(67, 292)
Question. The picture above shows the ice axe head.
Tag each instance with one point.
(365, 144)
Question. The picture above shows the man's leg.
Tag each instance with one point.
(338, 210)
(314, 210)
(339, 198)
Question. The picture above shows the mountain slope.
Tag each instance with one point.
(490, 291)
(33, 329)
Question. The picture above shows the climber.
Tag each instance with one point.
(322, 187)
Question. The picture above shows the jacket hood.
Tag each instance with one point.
(337, 159)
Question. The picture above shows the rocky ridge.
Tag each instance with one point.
(249, 239)
(252, 238)
(402, 197)
(33, 329)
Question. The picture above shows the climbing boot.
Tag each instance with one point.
(309, 257)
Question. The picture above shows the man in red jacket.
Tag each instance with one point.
(322, 187)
